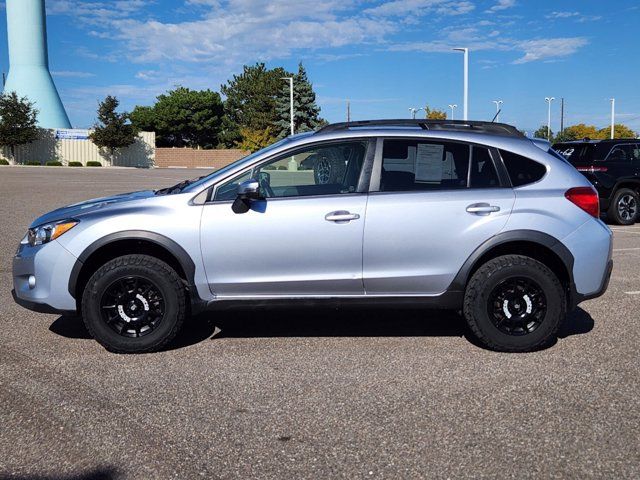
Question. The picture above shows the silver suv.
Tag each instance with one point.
(470, 216)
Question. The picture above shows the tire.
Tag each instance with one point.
(328, 167)
(535, 304)
(134, 304)
(623, 209)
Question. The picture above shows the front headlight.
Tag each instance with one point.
(49, 231)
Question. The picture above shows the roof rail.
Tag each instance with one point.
(428, 124)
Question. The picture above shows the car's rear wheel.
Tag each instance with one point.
(134, 304)
(514, 303)
(623, 209)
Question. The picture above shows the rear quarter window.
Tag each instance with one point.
(522, 170)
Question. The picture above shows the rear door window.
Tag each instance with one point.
(522, 170)
(623, 153)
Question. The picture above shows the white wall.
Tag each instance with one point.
(48, 148)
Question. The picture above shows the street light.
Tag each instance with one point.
(613, 117)
(414, 111)
(465, 107)
(498, 103)
(452, 107)
(549, 100)
(291, 100)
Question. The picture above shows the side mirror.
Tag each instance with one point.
(249, 190)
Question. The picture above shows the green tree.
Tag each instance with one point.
(143, 119)
(619, 131)
(113, 131)
(434, 114)
(18, 121)
(542, 133)
(250, 102)
(306, 110)
(183, 118)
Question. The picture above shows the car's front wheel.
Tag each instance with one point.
(514, 303)
(134, 304)
(623, 209)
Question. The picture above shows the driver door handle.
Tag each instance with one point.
(482, 209)
(341, 216)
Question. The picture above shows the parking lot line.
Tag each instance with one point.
(636, 292)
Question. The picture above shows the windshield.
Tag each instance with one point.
(192, 186)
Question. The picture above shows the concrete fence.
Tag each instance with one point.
(53, 146)
(191, 158)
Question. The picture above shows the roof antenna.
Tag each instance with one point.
(494, 118)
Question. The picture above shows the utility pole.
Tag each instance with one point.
(348, 111)
(561, 115)
(549, 100)
(452, 107)
(291, 101)
(498, 103)
(613, 118)
(465, 106)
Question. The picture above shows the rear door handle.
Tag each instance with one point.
(482, 209)
(341, 216)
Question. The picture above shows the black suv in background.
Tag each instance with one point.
(613, 166)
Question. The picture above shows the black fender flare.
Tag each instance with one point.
(181, 255)
(459, 283)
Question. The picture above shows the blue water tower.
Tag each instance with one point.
(29, 74)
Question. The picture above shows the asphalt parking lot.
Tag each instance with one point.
(310, 394)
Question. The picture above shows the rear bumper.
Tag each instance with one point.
(603, 288)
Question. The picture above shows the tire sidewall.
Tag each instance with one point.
(614, 206)
(102, 332)
(554, 314)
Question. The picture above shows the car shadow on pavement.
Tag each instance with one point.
(94, 474)
(322, 322)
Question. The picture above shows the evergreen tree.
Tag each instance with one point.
(112, 131)
(306, 110)
(250, 102)
(18, 121)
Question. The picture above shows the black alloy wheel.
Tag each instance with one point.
(132, 306)
(517, 306)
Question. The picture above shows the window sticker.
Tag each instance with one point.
(429, 163)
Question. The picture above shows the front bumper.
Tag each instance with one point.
(41, 277)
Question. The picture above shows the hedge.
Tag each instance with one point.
(75, 164)
(4, 162)
(53, 163)
(93, 163)
(33, 162)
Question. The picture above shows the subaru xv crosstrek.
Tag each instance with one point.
(613, 167)
(469, 216)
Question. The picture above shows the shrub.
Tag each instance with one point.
(33, 162)
(4, 162)
(282, 167)
(53, 163)
(93, 163)
(75, 164)
(269, 167)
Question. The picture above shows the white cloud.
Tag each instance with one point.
(399, 8)
(502, 5)
(563, 14)
(72, 74)
(549, 48)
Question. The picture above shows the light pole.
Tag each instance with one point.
(613, 117)
(498, 103)
(465, 106)
(414, 111)
(549, 100)
(452, 107)
(291, 100)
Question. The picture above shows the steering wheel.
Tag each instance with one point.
(264, 181)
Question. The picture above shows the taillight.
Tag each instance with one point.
(592, 169)
(586, 198)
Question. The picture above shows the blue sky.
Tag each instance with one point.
(385, 56)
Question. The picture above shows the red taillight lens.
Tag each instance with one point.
(586, 198)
